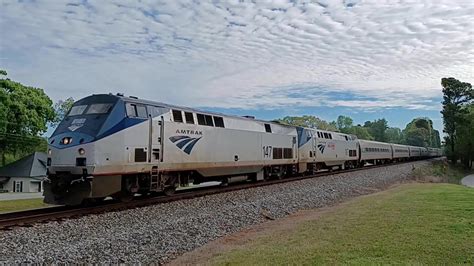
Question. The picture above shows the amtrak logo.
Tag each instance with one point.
(185, 143)
(321, 147)
(77, 123)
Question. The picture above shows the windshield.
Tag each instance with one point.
(77, 110)
(88, 115)
(97, 108)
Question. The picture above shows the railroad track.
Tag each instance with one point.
(58, 213)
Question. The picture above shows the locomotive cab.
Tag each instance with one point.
(72, 150)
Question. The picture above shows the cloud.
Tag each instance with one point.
(241, 54)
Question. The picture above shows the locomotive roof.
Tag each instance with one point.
(166, 105)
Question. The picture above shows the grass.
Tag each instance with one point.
(21, 204)
(411, 224)
(442, 172)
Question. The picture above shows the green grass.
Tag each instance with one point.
(411, 224)
(22, 204)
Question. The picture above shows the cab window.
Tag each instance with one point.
(77, 110)
(136, 110)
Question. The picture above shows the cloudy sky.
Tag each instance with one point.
(366, 59)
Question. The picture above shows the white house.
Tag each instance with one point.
(24, 175)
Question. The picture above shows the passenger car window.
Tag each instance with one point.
(189, 117)
(177, 116)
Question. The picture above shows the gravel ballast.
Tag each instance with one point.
(162, 232)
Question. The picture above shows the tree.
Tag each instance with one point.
(420, 132)
(61, 108)
(308, 121)
(344, 123)
(361, 132)
(465, 137)
(24, 114)
(455, 95)
(394, 135)
(377, 129)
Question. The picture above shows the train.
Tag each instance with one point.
(111, 145)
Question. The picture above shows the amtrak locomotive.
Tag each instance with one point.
(111, 145)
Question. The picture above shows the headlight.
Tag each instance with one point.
(67, 140)
(81, 151)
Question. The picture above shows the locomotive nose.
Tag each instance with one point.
(70, 149)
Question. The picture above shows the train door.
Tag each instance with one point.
(155, 151)
(155, 147)
(314, 146)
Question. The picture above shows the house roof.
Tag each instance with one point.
(33, 165)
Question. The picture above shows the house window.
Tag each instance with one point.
(268, 128)
(326, 136)
(189, 117)
(330, 135)
(17, 186)
(218, 121)
(177, 116)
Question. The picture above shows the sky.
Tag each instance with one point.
(270, 58)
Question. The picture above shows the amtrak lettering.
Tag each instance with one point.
(188, 131)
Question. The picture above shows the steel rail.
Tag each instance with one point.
(43, 215)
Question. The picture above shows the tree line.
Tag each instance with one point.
(458, 119)
(419, 132)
